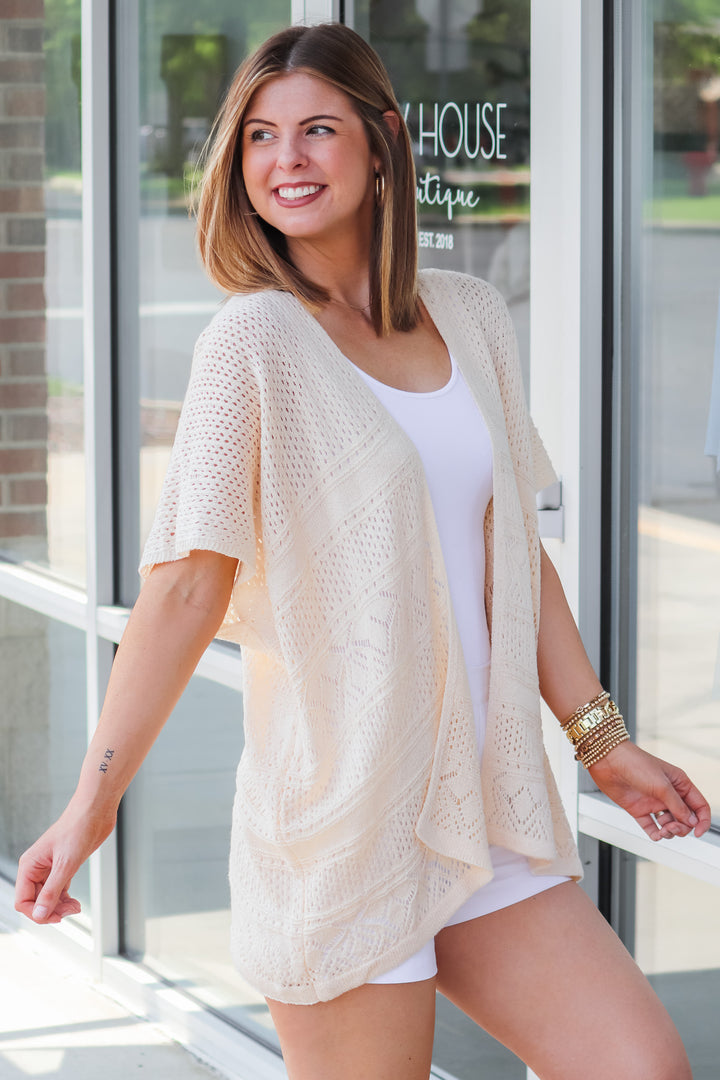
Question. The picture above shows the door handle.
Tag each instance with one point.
(551, 512)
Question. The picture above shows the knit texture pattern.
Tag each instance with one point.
(361, 820)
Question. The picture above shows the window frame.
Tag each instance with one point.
(569, 286)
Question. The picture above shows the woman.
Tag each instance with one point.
(349, 436)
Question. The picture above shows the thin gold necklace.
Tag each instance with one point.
(352, 307)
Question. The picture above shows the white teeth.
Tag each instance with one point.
(298, 192)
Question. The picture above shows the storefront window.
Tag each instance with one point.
(681, 956)
(43, 731)
(177, 813)
(461, 72)
(670, 458)
(176, 842)
(678, 639)
(188, 54)
(42, 482)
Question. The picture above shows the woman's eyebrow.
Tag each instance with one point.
(301, 123)
(321, 116)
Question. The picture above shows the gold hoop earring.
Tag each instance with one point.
(379, 189)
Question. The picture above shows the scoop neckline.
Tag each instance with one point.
(412, 393)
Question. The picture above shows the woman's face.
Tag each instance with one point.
(306, 161)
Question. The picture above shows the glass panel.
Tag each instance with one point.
(42, 492)
(188, 54)
(461, 72)
(677, 946)
(465, 1052)
(42, 731)
(176, 841)
(177, 813)
(679, 488)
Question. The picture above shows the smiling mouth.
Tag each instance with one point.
(302, 192)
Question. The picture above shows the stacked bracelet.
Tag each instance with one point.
(595, 729)
(603, 744)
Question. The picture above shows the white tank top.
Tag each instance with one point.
(452, 439)
(450, 435)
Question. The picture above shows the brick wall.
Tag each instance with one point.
(23, 379)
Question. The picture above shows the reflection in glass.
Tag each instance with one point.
(679, 487)
(42, 730)
(465, 1052)
(42, 484)
(188, 54)
(461, 72)
(176, 842)
(177, 813)
(678, 948)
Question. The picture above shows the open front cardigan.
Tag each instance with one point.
(362, 819)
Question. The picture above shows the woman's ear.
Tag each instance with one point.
(392, 120)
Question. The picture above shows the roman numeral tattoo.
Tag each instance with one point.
(107, 758)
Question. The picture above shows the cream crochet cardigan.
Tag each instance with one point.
(361, 820)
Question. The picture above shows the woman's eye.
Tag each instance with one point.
(320, 129)
(259, 135)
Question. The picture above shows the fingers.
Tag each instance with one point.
(53, 901)
(41, 891)
(701, 809)
(674, 816)
(695, 809)
(32, 873)
(48, 910)
(676, 804)
(661, 825)
(685, 809)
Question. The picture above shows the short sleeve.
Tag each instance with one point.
(533, 459)
(210, 496)
(543, 471)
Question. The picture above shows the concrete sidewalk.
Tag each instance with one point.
(56, 1024)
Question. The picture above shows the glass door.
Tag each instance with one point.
(175, 62)
(675, 461)
(461, 72)
(678, 523)
(663, 636)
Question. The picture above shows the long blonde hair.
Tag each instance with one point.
(240, 251)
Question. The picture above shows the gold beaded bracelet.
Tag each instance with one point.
(608, 726)
(593, 757)
(594, 729)
(615, 728)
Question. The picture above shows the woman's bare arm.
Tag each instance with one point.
(639, 782)
(177, 614)
(567, 678)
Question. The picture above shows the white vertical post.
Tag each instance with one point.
(566, 297)
(98, 413)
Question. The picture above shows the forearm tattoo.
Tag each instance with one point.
(107, 758)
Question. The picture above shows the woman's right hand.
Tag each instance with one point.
(46, 869)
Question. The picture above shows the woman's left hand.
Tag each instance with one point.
(645, 786)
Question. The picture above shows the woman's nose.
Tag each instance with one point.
(291, 154)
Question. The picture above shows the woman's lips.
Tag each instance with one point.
(297, 194)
